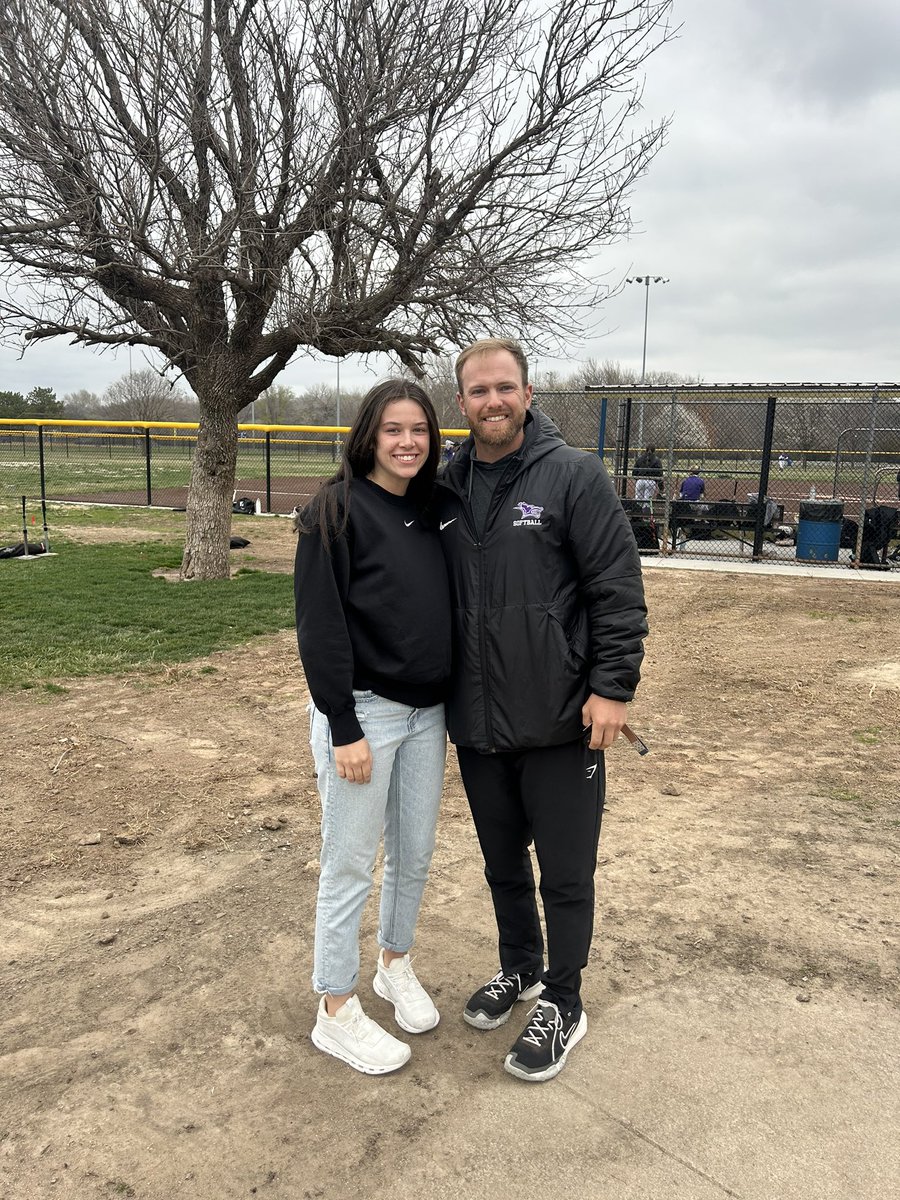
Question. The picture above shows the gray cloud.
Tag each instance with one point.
(773, 209)
(823, 51)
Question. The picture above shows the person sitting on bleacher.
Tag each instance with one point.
(693, 487)
(647, 473)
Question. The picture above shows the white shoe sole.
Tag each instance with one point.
(380, 990)
(554, 1068)
(336, 1050)
(480, 1020)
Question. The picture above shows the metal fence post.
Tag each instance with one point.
(601, 434)
(624, 448)
(670, 473)
(867, 468)
(763, 492)
(41, 461)
(837, 462)
(147, 459)
(268, 470)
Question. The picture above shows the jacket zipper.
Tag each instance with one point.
(500, 491)
(482, 610)
(485, 687)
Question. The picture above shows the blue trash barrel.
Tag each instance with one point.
(819, 530)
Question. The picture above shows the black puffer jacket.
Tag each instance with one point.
(549, 605)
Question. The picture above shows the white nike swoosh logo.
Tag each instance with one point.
(564, 1037)
(444, 524)
(408, 523)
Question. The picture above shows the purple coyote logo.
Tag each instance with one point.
(529, 511)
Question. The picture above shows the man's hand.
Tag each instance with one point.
(606, 718)
(354, 762)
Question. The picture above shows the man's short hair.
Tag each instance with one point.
(489, 346)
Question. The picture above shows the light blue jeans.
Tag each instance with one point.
(409, 747)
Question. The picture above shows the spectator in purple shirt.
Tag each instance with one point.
(693, 487)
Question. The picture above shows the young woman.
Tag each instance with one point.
(373, 625)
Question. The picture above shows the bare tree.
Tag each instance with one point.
(440, 381)
(577, 412)
(317, 405)
(82, 404)
(277, 405)
(141, 396)
(224, 181)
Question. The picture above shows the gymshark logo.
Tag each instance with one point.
(531, 514)
(591, 772)
(444, 524)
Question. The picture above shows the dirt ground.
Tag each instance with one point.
(158, 867)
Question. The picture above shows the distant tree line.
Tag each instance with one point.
(146, 395)
(804, 424)
(40, 402)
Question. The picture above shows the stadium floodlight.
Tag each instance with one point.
(646, 280)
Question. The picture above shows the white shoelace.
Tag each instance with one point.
(542, 1025)
(406, 981)
(360, 1026)
(501, 984)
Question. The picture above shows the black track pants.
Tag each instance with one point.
(552, 796)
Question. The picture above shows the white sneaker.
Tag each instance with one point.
(414, 1009)
(355, 1039)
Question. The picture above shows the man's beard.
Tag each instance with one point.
(501, 433)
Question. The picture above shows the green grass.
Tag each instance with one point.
(75, 468)
(97, 610)
(867, 737)
(843, 795)
(156, 521)
(816, 614)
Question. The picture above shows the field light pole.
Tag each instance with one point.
(646, 280)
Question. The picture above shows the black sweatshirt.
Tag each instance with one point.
(373, 609)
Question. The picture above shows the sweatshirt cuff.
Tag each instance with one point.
(345, 728)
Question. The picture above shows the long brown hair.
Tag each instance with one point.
(329, 510)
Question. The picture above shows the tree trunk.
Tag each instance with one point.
(208, 530)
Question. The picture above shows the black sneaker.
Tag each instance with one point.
(544, 1044)
(491, 1005)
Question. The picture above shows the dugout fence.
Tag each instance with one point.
(786, 444)
(789, 444)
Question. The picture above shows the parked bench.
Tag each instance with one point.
(704, 518)
(727, 516)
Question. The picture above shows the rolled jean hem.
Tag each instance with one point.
(328, 991)
(394, 949)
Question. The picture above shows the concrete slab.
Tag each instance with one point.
(678, 562)
(711, 1088)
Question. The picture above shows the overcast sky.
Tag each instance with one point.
(773, 210)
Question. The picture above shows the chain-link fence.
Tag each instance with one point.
(690, 464)
(149, 464)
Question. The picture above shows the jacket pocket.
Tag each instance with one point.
(538, 679)
(574, 632)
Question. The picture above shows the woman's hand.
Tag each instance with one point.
(354, 762)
